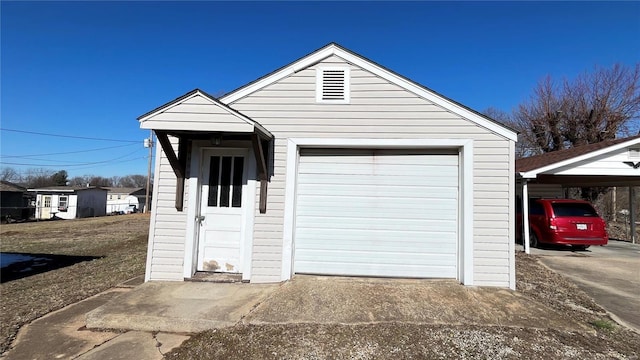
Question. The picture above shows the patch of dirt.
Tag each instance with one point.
(395, 340)
(408, 341)
(114, 246)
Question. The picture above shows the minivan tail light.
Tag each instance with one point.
(552, 224)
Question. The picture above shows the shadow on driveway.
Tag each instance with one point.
(20, 265)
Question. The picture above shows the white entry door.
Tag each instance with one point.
(224, 185)
(45, 208)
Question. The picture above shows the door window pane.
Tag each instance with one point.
(225, 181)
(238, 166)
(214, 179)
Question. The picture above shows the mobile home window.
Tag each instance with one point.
(63, 203)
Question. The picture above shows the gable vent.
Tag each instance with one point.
(634, 153)
(332, 85)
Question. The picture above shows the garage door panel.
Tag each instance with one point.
(392, 170)
(380, 205)
(364, 224)
(418, 192)
(434, 236)
(439, 248)
(371, 257)
(435, 180)
(377, 213)
(382, 270)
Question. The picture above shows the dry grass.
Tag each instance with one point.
(416, 341)
(116, 246)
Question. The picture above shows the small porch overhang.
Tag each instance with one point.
(608, 163)
(199, 116)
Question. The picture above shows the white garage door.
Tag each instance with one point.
(377, 213)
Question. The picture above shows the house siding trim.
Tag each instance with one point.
(465, 146)
(154, 212)
(512, 220)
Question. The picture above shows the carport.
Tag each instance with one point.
(613, 162)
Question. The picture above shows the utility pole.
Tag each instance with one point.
(148, 143)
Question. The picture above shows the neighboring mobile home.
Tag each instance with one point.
(70, 202)
(120, 200)
(331, 165)
(14, 202)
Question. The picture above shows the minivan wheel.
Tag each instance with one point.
(533, 239)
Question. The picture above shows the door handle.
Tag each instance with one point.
(200, 219)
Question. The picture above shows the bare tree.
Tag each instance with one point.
(100, 181)
(9, 174)
(38, 177)
(80, 180)
(594, 107)
(133, 181)
(507, 119)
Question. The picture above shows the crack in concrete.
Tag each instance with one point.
(97, 346)
(154, 335)
(241, 321)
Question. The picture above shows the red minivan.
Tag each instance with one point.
(565, 221)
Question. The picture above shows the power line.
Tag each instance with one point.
(68, 165)
(68, 136)
(27, 172)
(119, 162)
(67, 152)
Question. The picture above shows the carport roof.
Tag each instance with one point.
(550, 158)
(530, 167)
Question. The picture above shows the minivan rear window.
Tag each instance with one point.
(573, 210)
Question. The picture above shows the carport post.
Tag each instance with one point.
(632, 214)
(525, 215)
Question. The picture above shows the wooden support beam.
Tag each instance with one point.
(164, 141)
(263, 195)
(260, 157)
(263, 170)
(182, 160)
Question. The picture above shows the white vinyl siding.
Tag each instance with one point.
(378, 109)
(198, 113)
(168, 226)
(613, 163)
(377, 213)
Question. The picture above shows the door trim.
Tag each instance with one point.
(465, 178)
(194, 182)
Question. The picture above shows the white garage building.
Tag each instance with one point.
(331, 165)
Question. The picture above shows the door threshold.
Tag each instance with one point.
(215, 277)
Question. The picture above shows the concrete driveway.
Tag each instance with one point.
(610, 274)
(185, 307)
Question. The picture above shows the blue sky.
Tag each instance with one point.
(89, 69)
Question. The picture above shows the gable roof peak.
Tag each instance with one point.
(360, 61)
